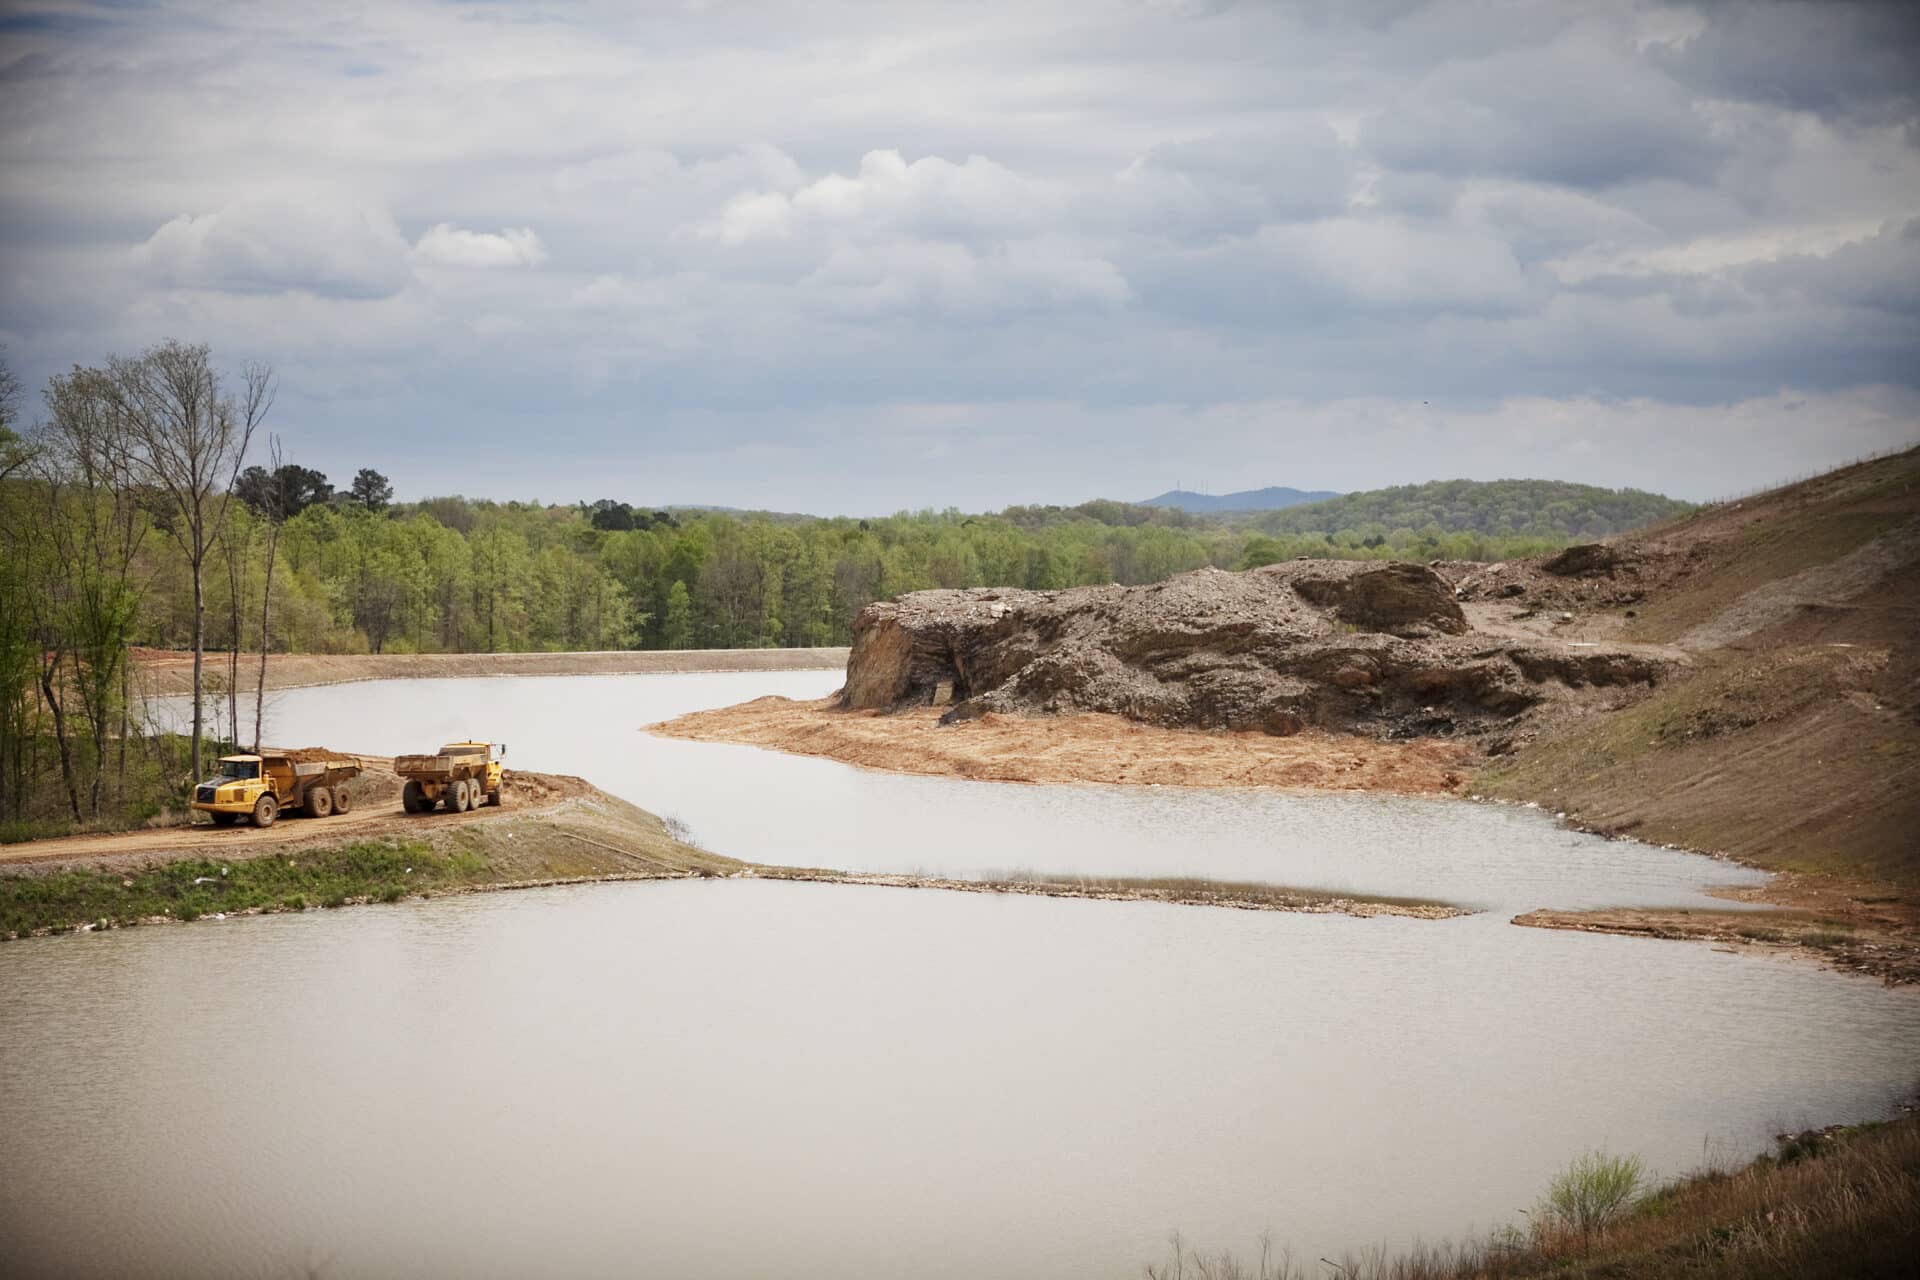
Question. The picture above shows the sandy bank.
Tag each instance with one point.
(1184, 891)
(1077, 748)
(167, 671)
(1849, 925)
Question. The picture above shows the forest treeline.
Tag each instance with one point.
(145, 507)
(1499, 508)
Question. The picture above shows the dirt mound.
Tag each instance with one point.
(1340, 645)
(309, 755)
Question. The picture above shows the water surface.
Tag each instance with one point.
(804, 811)
(751, 1078)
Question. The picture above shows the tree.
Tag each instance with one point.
(186, 439)
(677, 631)
(371, 489)
(285, 491)
(290, 484)
(611, 516)
(96, 528)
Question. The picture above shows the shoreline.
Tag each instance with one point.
(169, 673)
(1082, 749)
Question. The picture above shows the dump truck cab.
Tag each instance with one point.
(234, 790)
(259, 787)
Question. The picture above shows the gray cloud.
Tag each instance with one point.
(888, 255)
(1850, 61)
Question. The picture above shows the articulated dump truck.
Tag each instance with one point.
(263, 787)
(461, 775)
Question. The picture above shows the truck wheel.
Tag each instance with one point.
(497, 797)
(342, 800)
(456, 795)
(466, 793)
(224, 819)
(415, 800)
(320, 802)
(265, 810)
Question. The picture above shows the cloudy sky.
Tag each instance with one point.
(856, 257)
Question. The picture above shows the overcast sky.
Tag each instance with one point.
(846, 257)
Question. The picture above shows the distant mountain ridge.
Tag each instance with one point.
(1271, 498)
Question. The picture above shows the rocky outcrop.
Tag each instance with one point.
(1380, 648)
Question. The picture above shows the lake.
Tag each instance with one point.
(754, 1078)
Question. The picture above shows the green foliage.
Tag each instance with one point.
(376, 870)
(1503, 509)
(1594, 1191)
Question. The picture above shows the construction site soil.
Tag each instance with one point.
(169, 672)
(1087, 747)
(1743, 681)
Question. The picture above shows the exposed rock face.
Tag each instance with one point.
(1380, 648)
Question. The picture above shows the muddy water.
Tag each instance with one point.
(714, 1078)
(811, 812)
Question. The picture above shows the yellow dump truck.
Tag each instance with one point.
(262, 787)
(461, 775)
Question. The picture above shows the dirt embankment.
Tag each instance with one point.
(1343, 646)
(1744, 681)
(167, 672)
(1083, 748)
(1316, 674)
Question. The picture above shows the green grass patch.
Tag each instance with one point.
(380, 870)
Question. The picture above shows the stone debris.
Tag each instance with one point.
(1352, 646)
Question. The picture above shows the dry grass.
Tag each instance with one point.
(1842, 1202)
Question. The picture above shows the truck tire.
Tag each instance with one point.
(320, 802)
(414, 799)
(342, 799)
(265, 810)
(224, 819)
(498, 796)
(457, 796)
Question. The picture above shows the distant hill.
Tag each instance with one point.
(1272, 498)
(1524, 508)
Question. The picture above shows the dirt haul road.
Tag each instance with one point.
(165, 672)
(376, 812)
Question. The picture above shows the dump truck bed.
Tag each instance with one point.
(440, 766)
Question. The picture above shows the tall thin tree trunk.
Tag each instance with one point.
(126, 701)
(50, 692)
(199, 665)
(266, 602)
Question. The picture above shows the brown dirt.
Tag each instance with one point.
(1849, 925)
(376, 812)
(1177, 892)
(167, 671)
(1077, 748)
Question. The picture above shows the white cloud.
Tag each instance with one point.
(1205, 207)
(932, 196)
(280, 243)
(450, 246)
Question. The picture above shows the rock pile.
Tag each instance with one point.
(1349, 645)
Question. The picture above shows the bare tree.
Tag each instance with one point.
(13, 450)
(96, 530)
(274, 509)
(188, 439)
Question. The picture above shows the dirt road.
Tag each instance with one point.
(376, 812)
(166, 671)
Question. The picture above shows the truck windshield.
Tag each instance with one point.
(239, 768)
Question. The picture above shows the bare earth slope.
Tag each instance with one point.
(1793, 740)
